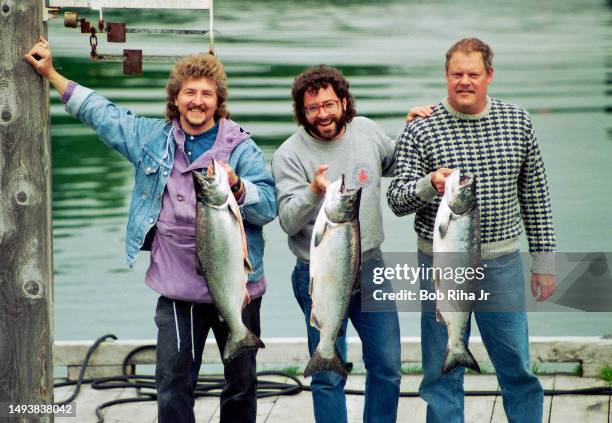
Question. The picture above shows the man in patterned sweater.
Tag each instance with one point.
(495, 141)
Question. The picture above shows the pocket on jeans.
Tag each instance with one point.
(507, 259)
(162, 315)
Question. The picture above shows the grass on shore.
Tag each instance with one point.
(605, 373)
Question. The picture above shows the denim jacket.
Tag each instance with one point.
(149, 145)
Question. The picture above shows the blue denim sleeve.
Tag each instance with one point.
(117, 127)
(248, 161)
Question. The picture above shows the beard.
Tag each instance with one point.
(195, 122)
(340, 122)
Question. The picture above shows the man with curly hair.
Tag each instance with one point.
(332, 141)
(161, 218)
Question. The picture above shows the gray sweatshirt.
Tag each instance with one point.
(363, 155)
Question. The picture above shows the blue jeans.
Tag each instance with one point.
(504, 334)
(380, 337)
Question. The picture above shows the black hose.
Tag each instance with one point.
(84, 367)
(212, 386)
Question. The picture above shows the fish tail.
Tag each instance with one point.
(317, 363)
(463, 357)
(234, 347)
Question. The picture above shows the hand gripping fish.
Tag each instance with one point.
(456, 244)
(221, 256)
(335, 258)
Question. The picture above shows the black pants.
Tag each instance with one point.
(178, 365)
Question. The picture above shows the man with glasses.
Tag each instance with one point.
(332, 141)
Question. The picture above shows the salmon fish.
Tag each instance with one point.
(456, 244)
(222, 257)
(335, 258)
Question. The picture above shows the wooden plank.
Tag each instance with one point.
(86, 402)
(499, 416)
(140, 412)
(97, 371)
(355, 403)
(266, 405)
(132, 4)
(205, 408)
(211, 411)
(574, 408)
(479, 409)
(26, 279)
(293, 408)
(411, 409)
(592, 352)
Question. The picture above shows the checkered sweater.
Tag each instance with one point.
(500, 147)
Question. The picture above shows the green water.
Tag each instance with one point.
(553, 58)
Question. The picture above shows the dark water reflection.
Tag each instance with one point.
(551, 57)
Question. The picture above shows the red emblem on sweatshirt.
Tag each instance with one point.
(362, 174)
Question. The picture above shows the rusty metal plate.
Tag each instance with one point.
(85, 26)
(115, 32)
(132, 62)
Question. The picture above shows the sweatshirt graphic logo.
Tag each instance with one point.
(362, 174)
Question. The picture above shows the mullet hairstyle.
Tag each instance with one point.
(470, 45)
(311, 81)
(197, 66)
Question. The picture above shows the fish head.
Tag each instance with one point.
(341, 204)
(212, 186)
(460, 191)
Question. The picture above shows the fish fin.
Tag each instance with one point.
(234, 347)
(247, 265)
(313, 320)
(233, 207)
(443, 227)
(318, 363)
(247, 298)
(357, 285)
(199, 268)
(235, 211)
(318, 235)
(340, 333)
(462, 358)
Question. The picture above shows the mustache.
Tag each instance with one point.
(319, 121)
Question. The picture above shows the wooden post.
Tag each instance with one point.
(26, 278)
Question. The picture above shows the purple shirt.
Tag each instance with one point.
(172, 270)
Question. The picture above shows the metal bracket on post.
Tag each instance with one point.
(115, 32)
(132, 62)
(49, 12)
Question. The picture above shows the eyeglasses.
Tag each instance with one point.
(330, 106)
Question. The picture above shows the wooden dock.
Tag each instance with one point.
(590, 354)
(298, 408)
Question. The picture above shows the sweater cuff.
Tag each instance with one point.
(68, 92)
(543, 263)
(425, 190)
